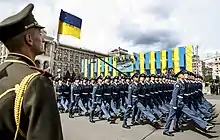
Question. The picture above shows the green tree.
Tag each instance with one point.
(208, 78)
(73, 75)
(79, 74)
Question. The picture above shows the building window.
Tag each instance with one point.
(71, 56)
(47, 48)
(76, 67)
(71, 67)
(76, 61)
(65, 65)
(59, 65)
(46, 65)
(59, 58)
(68, 55)
(76, 57)
(65, 56)
(37, 62)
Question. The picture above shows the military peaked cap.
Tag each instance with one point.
(92, 79)
(77, 78)
(123, 77)
(193, 74)
(129, 78)
(87, 79)
(181, 72)
(107, 77)
(142, 75)
(116, 77)
(135, 75)
(18, 23)
(99, 77)
(201, 77)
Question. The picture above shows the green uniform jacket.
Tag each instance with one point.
(40, 119)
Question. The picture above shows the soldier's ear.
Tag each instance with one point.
(29, 39)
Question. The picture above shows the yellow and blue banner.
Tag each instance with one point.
(163, 61)
(175, 59)
(69, 24)
(152, 63)
(188, 57)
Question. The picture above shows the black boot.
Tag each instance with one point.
(126, 126)
(111, 120)
(71, 115)
(92, 121)
(168, 134)
(177, 129)
(134, 123)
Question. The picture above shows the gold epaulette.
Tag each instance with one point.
(20, 90)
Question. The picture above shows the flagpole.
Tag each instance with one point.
(110, 65)
(58, 35)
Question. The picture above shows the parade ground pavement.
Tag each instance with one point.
(79, 128)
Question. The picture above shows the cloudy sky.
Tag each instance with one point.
(136, 25)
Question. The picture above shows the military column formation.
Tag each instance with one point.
(146, 99)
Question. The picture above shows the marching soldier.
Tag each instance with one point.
(178, 106)
(59, 93)
(115, 103)
(96, 98)
(153, 95)
(143, 108)
(85, 95)
(127, 83)
(107, 97)
(34, 109)
(135, 102)
(76, 90)
(91, 84)
(66, 95)
(123, 89)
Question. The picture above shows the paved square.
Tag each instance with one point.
(79, 128)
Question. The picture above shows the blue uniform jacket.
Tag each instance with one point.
(177, 94)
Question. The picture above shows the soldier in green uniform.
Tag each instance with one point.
(28, 108)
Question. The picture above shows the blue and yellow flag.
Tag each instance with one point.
(69, 24)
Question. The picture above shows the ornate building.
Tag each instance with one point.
(58, 57)
(3, 52)
(69, 58)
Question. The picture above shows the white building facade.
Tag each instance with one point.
(214, 63)
(198, 65)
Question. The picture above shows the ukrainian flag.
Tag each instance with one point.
(69, 24)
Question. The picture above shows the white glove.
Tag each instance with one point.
(174, 108)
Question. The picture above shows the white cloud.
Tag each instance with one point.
(106, 22)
